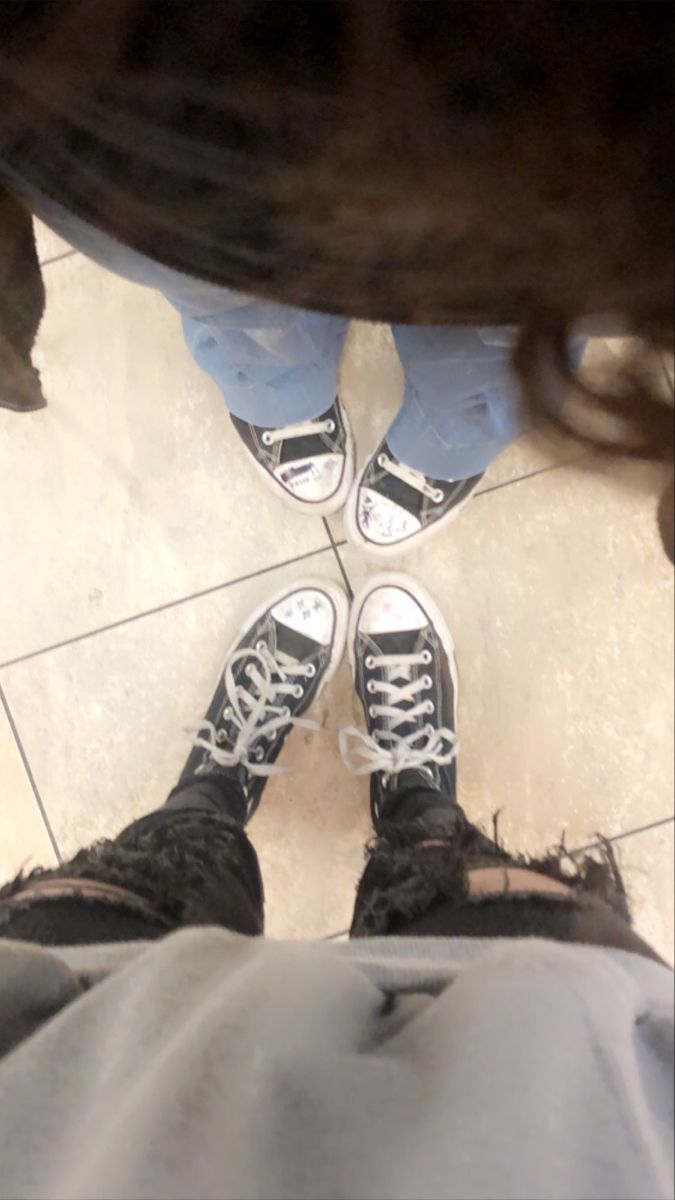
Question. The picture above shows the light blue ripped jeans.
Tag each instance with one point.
(276, 365)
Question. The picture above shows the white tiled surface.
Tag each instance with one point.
(129, 496)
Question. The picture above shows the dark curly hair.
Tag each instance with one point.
(491, 163)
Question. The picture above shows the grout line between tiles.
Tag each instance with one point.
(618, 837)
(57, 257)
(530, 475)
(31, 778)
(150, 612)
(335, 547)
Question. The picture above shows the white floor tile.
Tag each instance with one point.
(131, 489)
(24, 842)
(105, 746)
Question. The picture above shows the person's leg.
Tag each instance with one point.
(430, 870)
(461, 405)
(190, 862)
(276, 366)
(431, 877)
(461, 408)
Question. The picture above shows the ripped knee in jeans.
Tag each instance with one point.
(409, 873)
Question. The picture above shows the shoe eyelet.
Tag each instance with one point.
(311, 670)
(285, 712)
(248, 670)
(429, 706)
(298, 691)
(260, 646)
(369, 662)
(259, 753)
(371, 710)
(221, 737)
(266, 438)
(438, 496)
(429, 730)
(381, 460)
(370, 686)
(227, 713)
(426, 657)
(427, 682)
(330, 426)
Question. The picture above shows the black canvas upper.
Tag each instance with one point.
(290, 450)
(277, 637)
(441, 694)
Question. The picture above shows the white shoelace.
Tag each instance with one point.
(254, 710)
(301, 429)
(413, 478)
(385, 750)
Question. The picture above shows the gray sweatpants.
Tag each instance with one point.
(211, 1064)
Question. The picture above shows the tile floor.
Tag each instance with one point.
(134, 538)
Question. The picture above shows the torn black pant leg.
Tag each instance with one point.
(416, 884)
(188, 863)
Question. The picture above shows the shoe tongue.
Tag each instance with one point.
(292, 646)
(309, 446)
(399, 643)
(402, 641)
(409, 779)
(398, 491)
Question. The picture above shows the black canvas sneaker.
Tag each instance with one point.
(276, 667)
(392, 507)
(405, 676)
(310, 464)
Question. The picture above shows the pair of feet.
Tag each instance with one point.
(390, 506)
(404, 672)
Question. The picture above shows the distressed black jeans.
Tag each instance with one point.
(191, 863)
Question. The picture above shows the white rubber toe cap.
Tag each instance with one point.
(381, 521)
(389, 609)
(308, 611)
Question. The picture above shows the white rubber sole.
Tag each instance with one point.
(340, 604)
(426, 602)
(310, 508)
(397, 549)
